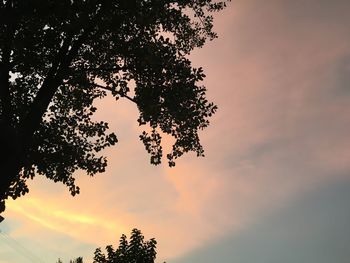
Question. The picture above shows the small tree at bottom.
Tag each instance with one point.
(136, 250)
(77, 260)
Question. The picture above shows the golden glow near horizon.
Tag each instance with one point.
(60, 219)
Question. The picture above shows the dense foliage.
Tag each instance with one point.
(57, 57)
(136, 250)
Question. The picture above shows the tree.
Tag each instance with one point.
(136, 250)
(58, 57)
(77, 260)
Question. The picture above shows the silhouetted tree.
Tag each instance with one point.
(136, 250)
(77, 260)
(57, 57)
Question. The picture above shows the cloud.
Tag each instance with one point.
(309, 228)
(62, 218)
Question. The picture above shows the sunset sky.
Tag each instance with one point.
(274, 184)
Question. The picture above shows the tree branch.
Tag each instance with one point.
(48, 88)
(116, 68)
(119, 93)
(54, 78)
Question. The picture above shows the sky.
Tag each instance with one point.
(274, 184)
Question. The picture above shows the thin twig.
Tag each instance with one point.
(110, 89)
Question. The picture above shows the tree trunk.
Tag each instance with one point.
(9, 172)
(10, 162)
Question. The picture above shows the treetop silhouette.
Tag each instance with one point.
(135, 250)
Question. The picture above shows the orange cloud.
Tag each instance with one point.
(62, 219)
